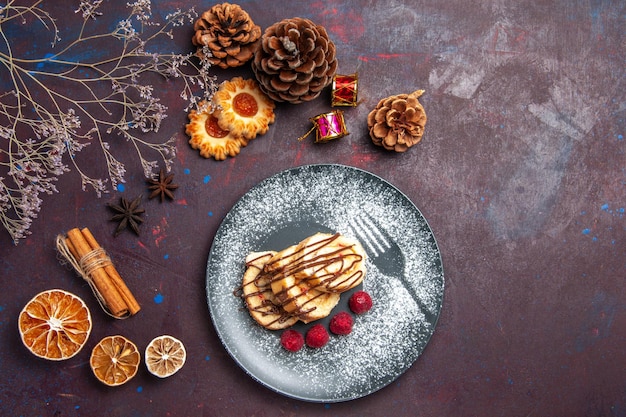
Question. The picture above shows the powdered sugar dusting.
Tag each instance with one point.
(385, 341)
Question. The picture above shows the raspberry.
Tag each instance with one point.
(317, 336)
(292, 340)
(341, 323)
(360, 302)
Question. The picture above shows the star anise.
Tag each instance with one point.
(127, 214)
(162, 187)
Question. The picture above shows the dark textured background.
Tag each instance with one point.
(521, 175)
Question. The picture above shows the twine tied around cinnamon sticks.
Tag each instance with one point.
(94, 265)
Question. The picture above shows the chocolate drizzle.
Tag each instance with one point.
(263, 290)
(320, 265)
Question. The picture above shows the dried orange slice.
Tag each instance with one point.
(115, 360)
(55, 324)
(165, 355)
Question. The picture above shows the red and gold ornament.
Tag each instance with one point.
(328, 126)
(345, 90)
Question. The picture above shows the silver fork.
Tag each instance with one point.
(385, 254)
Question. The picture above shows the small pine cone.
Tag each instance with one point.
(229, 33)
(397, 122)
(295, 61)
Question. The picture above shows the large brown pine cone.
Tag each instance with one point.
(229, 33)
(397, 122)
(295, 60)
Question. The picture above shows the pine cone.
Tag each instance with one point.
(229, 33)
(295, 61)
(397, 122)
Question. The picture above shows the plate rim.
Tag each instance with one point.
(224, 222)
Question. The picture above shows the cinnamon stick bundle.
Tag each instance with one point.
(94, 265)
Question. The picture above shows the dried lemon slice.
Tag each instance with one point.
(114, 360)
(165, 355)
(55, 324)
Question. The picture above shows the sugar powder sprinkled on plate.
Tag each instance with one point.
(385, 341)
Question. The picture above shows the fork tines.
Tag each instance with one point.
(370, 235)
